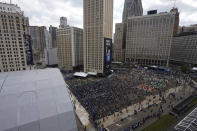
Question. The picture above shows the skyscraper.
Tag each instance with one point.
(41, 40)
(52, 31)
(98, 25)
(118, 51)
(63, 22)
(132, 8)
(13, 38)
(70, 47)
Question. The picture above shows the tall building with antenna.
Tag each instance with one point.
(132, 8)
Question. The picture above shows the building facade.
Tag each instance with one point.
(48, 40)
(191, 28)
(13, 33)
(52, 31)
(184, 48)
(41, 40)
(63, 22)
(98, 26)
(149, 39)
(177, 20)
(132, 8)
(51, 57)
(118, 51)
(70, 47)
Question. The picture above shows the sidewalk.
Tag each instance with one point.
(118, 126)
(81, 113)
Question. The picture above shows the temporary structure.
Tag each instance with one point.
(35, 100)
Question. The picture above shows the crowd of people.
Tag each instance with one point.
(104, 97)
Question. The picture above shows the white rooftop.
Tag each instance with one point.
(92, 73)
(154, 66)
(81, 74)
(35, 100)
(194, 68)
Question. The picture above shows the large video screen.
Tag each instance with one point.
(28, 50)
(107, 53)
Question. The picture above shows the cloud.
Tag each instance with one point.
(192, 3)
(48, 12)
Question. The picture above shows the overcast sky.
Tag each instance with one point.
(47, 12)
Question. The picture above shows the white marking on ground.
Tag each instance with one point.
(118, 125)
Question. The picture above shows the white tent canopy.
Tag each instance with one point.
(81, 74)
(35, 100)
(92, 73)
(194, 68)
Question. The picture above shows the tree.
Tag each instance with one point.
(185, 68)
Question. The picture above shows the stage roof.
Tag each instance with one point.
(36, 100)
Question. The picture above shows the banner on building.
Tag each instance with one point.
(107, 53)
(28, 50)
